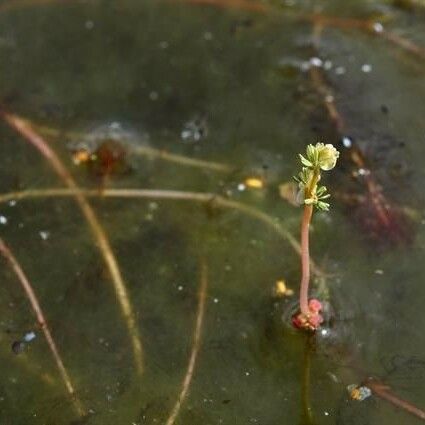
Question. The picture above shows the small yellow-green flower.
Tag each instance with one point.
(320, 156)
(327, 156)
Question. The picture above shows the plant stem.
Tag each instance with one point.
(195, 346)
(305, 255)
(202, 197)
(306, 411)
(385, 393)
(42, 322)
(305, 259)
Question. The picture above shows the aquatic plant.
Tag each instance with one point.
(319, 157)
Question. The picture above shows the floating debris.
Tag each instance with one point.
(105, 150)
(314, 61)
(208, 35)
(340, 70)
(44, 235)
(153, 95)
(346, 142)
(378, 27)
(19, 346)
(195, 129)
(89, 25)
(327, 65)
(29, 336)
(358, 392)
(254, 183)
(280, 290)
(290, 67)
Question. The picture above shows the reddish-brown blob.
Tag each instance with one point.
(309, 322)
(108, 159)
(382, 222)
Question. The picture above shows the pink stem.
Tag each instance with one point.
(305, 259)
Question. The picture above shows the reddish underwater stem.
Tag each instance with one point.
(383, 391)
(305, 259)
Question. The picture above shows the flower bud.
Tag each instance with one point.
(327, 156)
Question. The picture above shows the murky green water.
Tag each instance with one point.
(229, 85)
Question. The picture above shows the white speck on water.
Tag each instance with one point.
(153, 206)
(329, 98)
(12, 203)
(305, 66)
(195, 129)
(115, 125)
(215, 300)
(366, 68)
(363, 172)
(324, 332)
(163, 44)
(180, 288)
(28, 337)
(327, 65)
(44, 235)
(340, 70)
(208, 35)
(153, 95)
(326, 413)
(333, 377)
(3, 219)
(378, 27)
(379, 271)
(247, 373)
(89, 25)
(346, 141)
(314, 61)
(227, 267)
(241, 187)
